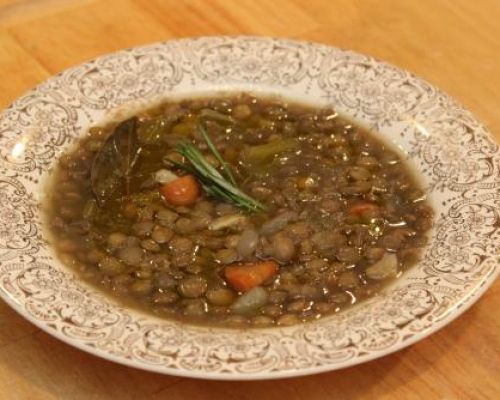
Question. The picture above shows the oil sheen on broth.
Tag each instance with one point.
(319, 214)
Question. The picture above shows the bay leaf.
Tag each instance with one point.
(113, 164)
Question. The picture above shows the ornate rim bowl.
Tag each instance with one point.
(456, 158)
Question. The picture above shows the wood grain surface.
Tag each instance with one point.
(454, 44)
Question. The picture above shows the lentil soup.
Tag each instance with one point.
(236, 211)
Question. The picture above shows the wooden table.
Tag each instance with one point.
(453, 44)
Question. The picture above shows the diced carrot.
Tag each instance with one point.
(244, 277)
(182, 191)
(361, 207)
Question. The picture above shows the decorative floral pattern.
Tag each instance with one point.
(19, 233)
(459, 162)
(223, 61)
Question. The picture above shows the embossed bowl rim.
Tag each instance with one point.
(401, 107)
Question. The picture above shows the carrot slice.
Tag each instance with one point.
(361, 207)
(182, 191)
(244, 277)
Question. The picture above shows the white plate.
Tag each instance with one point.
(457, 159)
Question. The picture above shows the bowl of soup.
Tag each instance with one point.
(244, 208)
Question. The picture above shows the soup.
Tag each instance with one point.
(236, 211)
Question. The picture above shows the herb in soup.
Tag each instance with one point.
(236, 211)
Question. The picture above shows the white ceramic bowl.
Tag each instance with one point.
(456, 158)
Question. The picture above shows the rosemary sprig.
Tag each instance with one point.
(212, 181)
(213, 149)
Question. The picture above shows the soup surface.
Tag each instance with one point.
(236, 211)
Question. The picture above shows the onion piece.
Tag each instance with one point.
(250, 301)
(226, 221)
(164, 176)
(386, 268)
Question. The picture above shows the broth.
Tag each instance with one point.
(313, 213)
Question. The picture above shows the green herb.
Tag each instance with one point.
(213, 182)
(213, 149)
(217, 116)
(263, 154)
